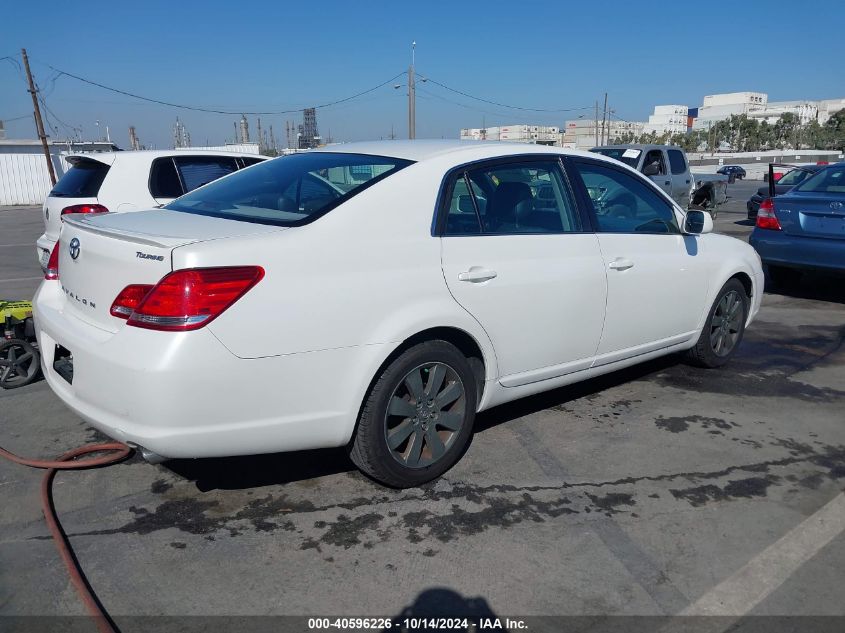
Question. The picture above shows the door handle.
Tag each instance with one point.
(621, 264)
(668, 182)
(477, 275)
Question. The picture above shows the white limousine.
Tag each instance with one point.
(377, 296)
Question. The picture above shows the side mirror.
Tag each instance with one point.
(652, 169)
(698, 222)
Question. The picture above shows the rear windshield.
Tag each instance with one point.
(83, 180)
(629, 156)
(291, 190)
(829, 180)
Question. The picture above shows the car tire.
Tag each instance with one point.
(723, 329)
(402, 438)
(782, 276)
(20, 363)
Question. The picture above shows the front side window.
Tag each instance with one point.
(794, 177)
(655, 157)
(291, 190)
(625, 204)
(527, 197)
(677, 162)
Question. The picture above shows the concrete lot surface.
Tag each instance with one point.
(652, 491)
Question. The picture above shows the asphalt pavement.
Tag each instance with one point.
(661, 489)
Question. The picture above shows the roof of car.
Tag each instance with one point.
(417, 150)
(149, 154)
(639, 146)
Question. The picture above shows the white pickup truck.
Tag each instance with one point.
(668, 167)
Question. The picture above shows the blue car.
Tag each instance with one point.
(804, 229)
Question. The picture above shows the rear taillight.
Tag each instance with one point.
(766, 218)
(52, 272)
(84, 208)
(189, 299)
(129, 299)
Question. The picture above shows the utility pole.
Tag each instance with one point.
(39, 124)
(412, 97)
(604, 122)
(596, 122)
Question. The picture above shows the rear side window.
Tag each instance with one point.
(829, 180)
(677, 162)
(291, 190)
(83, 180)
(164, 181)
(196, 171)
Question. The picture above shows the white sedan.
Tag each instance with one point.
(377, 296)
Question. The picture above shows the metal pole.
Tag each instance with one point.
(596, 122)
(39, 124)
(412, 106)
(604, 122)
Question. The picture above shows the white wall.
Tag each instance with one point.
(24, 178)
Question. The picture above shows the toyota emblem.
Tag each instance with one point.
(73, 247)
(835, 205)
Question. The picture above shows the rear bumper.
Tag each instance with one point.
(185, 395)
(814, 253)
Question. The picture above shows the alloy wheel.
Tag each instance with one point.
(425, 415)
(726, 323)
(18, 363)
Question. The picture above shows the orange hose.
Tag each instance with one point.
(117, 452)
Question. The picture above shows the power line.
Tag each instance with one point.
(17, 118)
(211, 110)
(496, 103)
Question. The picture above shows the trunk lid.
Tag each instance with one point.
(99, 255)
(812, 214)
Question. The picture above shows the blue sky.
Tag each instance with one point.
(276, 55)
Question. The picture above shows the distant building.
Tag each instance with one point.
(2, 131)
(756, 105)
(671, 119)
(538, 134)
(721, 106)
(308, 136)
(582, 133)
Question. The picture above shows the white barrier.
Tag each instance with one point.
(24, 178)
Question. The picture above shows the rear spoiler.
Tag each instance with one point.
(772, 174)
(76, 159)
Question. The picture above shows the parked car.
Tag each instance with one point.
(127, 181)
(804, 229)
(782, 185)
(668, 168)
(270, 312)
(736, 171)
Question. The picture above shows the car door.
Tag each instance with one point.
(656, 276)
(681, 179)
(518, 256)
